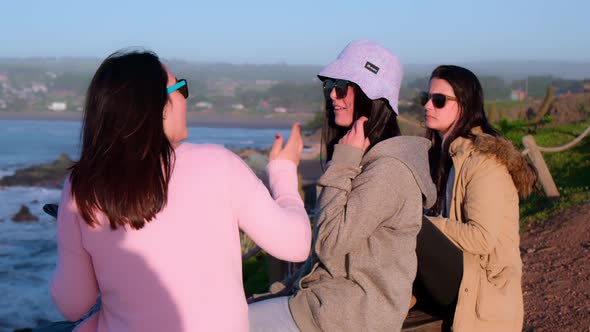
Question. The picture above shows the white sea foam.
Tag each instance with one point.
(27, 259)
(6, 172)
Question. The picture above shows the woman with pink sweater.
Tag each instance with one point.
(152, 224)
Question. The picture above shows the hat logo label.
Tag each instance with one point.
(371, 67)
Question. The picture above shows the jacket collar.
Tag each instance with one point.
(502, 150)
(463, 146)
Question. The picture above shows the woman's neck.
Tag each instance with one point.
(443, 137)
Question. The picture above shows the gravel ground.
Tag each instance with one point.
(556, 282)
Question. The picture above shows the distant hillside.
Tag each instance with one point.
(513, 70)
(65, 64)
(507, 70)
(197, 70)
(245, 72)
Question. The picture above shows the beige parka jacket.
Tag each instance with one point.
(484, 223)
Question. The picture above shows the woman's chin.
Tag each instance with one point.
(430, 125)
(343, 123)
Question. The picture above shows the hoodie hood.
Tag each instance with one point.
(413, 152)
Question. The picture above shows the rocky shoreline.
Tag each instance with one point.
(49, 174)
(52, 175)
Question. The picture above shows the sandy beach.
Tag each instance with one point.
(195, 119)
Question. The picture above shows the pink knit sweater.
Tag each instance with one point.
(183, 270)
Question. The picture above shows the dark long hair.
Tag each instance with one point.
(382, 123)
(470, 99)
(126, 159)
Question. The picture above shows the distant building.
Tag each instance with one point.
(37, 87)
(518, 95)
(264, 83)
(586, 87)
(2, 104)
(3, 77)
(222, 87)
(280, 110)
(58, 106)
(204, 104)
(64, 94)
(238, 107)
(264, 105)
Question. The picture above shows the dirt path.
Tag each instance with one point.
(556, 283)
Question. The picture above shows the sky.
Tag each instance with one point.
(298, 31)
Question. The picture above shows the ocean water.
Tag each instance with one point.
(28, 250)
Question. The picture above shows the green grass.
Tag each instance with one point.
(501, 104)
(256, 111)
(255, 275)
(569, 170)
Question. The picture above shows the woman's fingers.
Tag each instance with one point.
(366, 144)
(359, 125)
(295, 139)
(277, 146)
(356, 135)
(292, 149)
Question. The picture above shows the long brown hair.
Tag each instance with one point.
(382, 123)
(126, 159)
(470, 99)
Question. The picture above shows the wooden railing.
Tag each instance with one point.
(534, 153)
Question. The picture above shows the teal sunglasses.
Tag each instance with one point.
(181, 86)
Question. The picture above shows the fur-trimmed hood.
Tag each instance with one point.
(523, 174)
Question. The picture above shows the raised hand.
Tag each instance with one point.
(356, 135)
(293, 148)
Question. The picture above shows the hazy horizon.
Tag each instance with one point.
(299, 33)
(213, 62)
(506, 69)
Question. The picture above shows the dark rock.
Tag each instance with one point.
(51, 209)
(43, 175)
(247, 152)
(24, 214)
(257, 162)
(545, 249)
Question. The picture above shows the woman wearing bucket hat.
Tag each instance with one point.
(363, 262)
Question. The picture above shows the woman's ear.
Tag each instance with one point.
(167, 107)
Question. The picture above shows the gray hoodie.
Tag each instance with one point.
(360, 274)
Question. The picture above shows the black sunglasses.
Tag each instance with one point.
(182, 87)
(341, 87)
(438, 99)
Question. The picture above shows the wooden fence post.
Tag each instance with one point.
(542, 170)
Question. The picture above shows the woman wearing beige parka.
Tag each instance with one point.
(479, 176)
